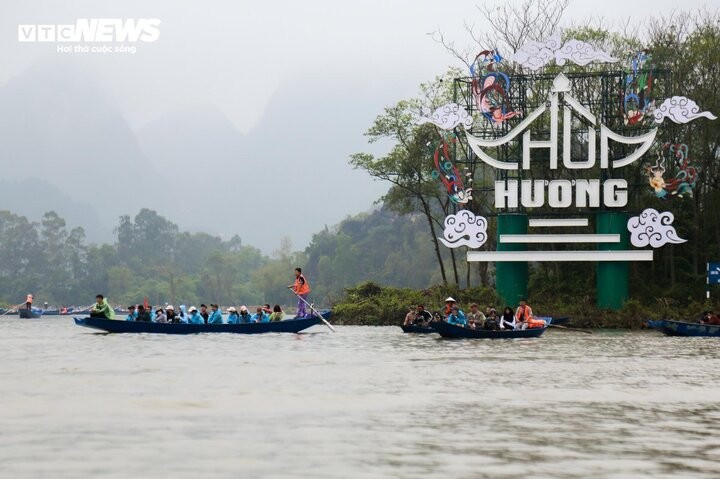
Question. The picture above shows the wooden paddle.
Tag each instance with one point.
(312, 309)
(586, 331)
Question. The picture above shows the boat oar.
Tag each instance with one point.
(313, 310)
(586, 331)
(12, 309)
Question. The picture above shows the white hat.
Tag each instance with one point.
(232, 309)
(450, 298)
(243, 308)
(192, 308)
(170, 306)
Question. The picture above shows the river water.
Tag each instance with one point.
(364, 402)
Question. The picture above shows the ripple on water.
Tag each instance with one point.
(365, 402)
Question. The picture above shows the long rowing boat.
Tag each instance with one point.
(682, 328)
(121, 326)
(447, 330)
(414, 328)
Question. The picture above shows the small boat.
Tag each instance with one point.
(29, 313)
(682, 328)
(122, 326)
(414, 328)
(447, 330)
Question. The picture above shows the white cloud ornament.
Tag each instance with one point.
(652, 228)
(680, 109)
(464, 229)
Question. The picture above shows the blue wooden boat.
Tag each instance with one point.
(29, 313)
(122, 326)
(682, 328)
(414, 328)
(447, 330)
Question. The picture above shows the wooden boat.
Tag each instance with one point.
(122, 326)
(413, 328)
(447, 330)
(28, 314)
(555, 321)
(682, 328)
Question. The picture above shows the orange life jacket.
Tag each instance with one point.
(536, 323)
(301, 285)
(524, 313)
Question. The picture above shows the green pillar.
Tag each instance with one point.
(612, 276)
(511, 278)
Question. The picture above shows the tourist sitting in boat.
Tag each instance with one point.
(170, 314)
(132, 315)
(475, 318)
(410, 316)
(267, 309)
(142, 314)
(524, 317)
(215, 316)
(204, 313)
(457, 316)
(449, 303)
(101, 309)
(277, 314)
(507, 320)
(233, 316)
(260, 316)
(195, 317)
(245, 315)
(182, 315)
(422, 316)
(160, 316)
(710, 318)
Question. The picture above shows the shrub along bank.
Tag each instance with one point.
(372, 304)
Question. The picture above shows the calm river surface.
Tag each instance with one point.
(364, 402)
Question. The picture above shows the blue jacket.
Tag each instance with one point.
(215, 317)
(131, 317)
(260, 318)
(246, 318)
(458, 319)
(195, 318)
(233, 318)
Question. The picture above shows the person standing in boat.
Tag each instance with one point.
(215, 316)
(28, 301)
(195, 317)
(101, 308)
(302, 289)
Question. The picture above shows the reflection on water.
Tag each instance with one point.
(365, 402)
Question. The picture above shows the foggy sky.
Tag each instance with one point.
(245, 61)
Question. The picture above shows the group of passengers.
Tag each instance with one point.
(522, 318)
(167, 314)
(263, 314)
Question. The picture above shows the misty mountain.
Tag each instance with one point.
(57, 124)
(18, 197)
(288, 176)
